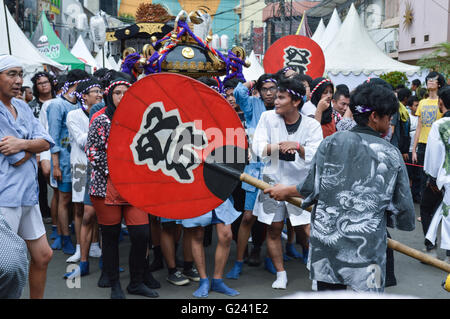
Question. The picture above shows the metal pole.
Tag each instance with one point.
(7, 29)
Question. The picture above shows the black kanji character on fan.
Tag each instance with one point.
(165, 143)
(297, 58)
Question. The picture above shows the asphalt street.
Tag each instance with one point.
(414, 279)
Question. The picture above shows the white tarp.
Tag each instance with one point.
(255, 70)
(21, 46)
(81, 51)
(332, 29)
(318, 34)
(353, 52)
(103, 62)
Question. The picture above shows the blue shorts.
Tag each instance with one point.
(209, 218)
(65, 187)
(250, 199)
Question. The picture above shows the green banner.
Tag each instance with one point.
(48, 43)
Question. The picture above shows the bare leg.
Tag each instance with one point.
(244, 233)
(198, 251)
(225, 237)
(168, 245)
(274, 247)
(63, 212)
(87, 228)
(41, 254)
(78, 217)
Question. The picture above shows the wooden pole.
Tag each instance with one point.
(395, 245)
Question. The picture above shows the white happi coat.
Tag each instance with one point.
(437, 165)
(78, 126)
(271, 129)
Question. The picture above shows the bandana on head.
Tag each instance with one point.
(8, 62)
(79, 95)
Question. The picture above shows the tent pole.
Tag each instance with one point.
(103, 55)
(7, 29)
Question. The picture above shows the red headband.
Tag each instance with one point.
(319, 84)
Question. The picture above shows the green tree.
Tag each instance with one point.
(438, 60)
(395, 78)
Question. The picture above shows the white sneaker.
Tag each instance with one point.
(281, 281)
(75, 257)
(95, 251)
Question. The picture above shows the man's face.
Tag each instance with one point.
(413, 107)
(289, 74)
(284, 104)
(43, 85)
(94, 96)
(28, 95)
(341, 104)
(11, 81)
(433, 84)
(382, 123)
(269, 93)
(230, 97)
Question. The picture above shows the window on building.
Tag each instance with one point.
(413, 40)
(426, 38)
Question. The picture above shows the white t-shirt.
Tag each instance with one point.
(308, 109)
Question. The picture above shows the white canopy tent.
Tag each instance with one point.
(255, 70)
(318, 34)
(81, 51)
(333, 27)
(13, 41)
(353, 56)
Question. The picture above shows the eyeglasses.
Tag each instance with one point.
(272, 89)
(96, 91)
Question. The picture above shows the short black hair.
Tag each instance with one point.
(24, 88)
(263, 78)
(343, 88)
(440, 77)
(231, 83)
(303, 78)
(60, 81)
(208, 81)
(295, 86)
(416, 82)
(411, 100)
(76, 75)
(376, 97)
(340, 92)
(444, 95)
(403, 94)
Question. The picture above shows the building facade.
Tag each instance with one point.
(423, 25)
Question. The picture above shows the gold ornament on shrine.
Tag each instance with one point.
(408, 17)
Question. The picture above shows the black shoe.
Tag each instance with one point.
(142, 290)
(116, 291)
(151, 282)
(255, 259)
(390, 281)
(103, 281)
(156, 264)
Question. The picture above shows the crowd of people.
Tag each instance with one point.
(344, 152)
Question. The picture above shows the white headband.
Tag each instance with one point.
(8, 62)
